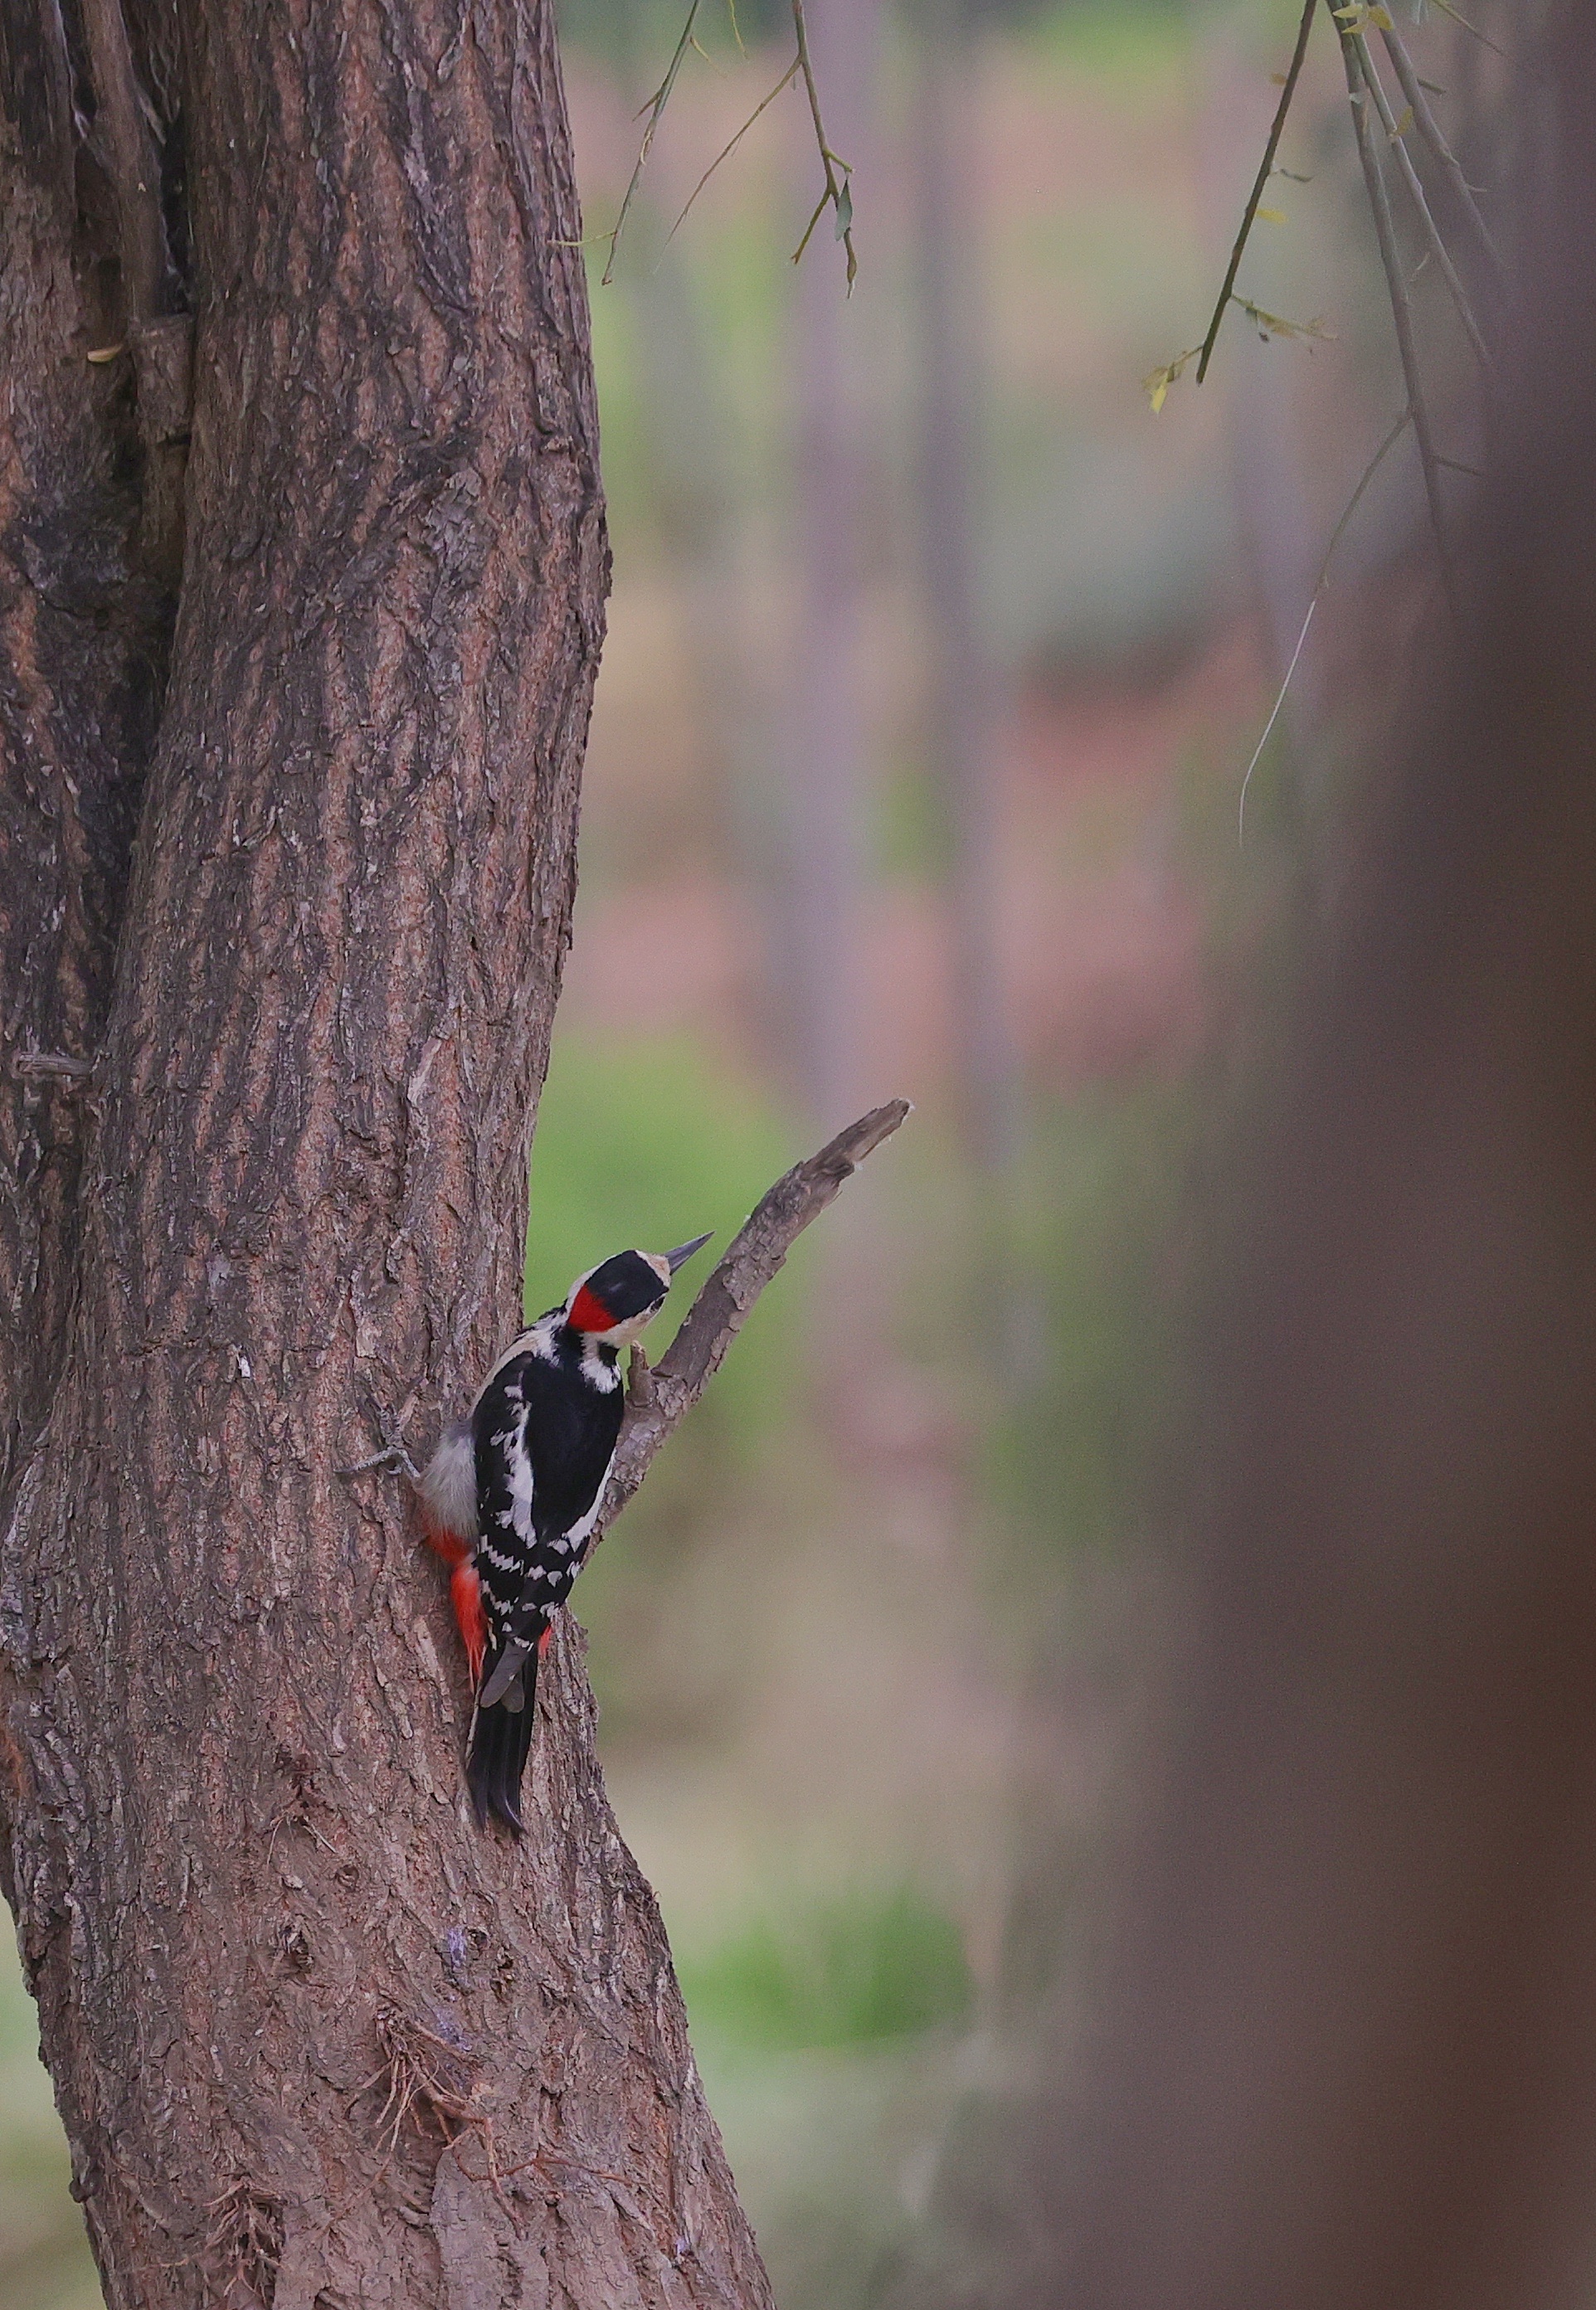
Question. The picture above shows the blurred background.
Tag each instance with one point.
(937, 660)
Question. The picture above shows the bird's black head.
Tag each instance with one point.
(618, 1296)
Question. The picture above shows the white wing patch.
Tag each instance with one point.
(518, 1469)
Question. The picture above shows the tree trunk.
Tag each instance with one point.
(277, 1968)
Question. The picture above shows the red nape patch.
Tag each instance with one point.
(543, 1640)
(466, 1590)
(589, 1313)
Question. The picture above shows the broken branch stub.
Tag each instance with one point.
(660, 1399)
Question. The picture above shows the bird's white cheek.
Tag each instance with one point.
(623, 1335)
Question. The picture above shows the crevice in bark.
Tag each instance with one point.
(85, 628)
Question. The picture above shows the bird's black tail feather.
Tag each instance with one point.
(500, 1737)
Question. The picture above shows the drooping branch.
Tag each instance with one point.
(1396, 137)
(660, 1399)
(1265, 169)
(837, 193)
(1429, 128)
(1401, 312)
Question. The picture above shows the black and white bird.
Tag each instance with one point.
(510, 1496)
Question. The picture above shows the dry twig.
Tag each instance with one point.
(653, 108)
(244, 2242)
(752, 1259)
(837, 195)
(1429, 128)
(1439, 250)
(1320, 583)
(423, 2073)
(764, 104)
(1401, 311)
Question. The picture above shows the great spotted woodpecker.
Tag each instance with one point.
(510, 1496)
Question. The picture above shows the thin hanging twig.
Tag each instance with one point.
(1401, 311)
(1250, 217)
(653, 108)
(1353, 502)
(784, 81)
(1458, 17)
(837, 193)
(1429, 128)
(1439, 250)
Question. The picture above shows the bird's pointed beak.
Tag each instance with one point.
(684, 1251)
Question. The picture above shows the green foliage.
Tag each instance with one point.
(1102, 1259)
(45, 2262)
(841, 1971)
(620, 32)
(647, 1143)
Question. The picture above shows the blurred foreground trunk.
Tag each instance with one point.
(282, 937)
(1344, 2056)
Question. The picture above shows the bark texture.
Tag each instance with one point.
(278, 1971)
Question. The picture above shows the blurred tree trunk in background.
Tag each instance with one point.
(958, 685)
(283, 929)
(1345, 2055)
(825, 810)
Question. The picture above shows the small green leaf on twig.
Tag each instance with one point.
(1270, 216)
(1404, 122)
(1157, 383)
(836, 187)
(1265, 169)
(1360, 15)
(1275, 325)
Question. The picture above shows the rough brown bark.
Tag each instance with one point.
(275, 1963)
(82, 638)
